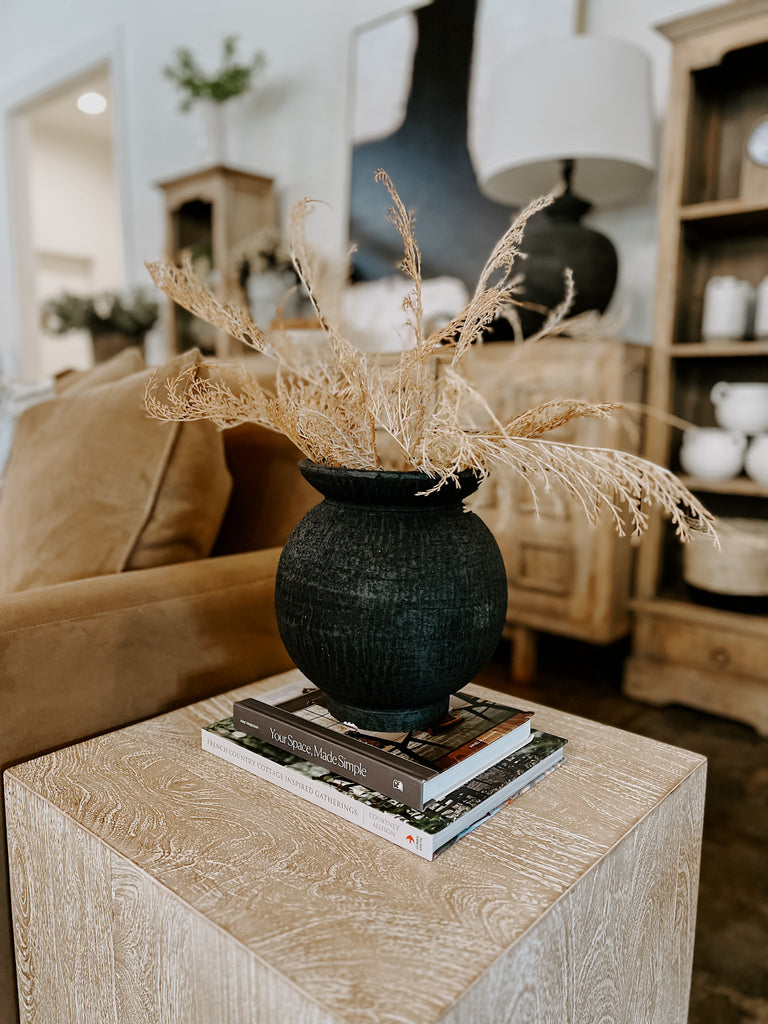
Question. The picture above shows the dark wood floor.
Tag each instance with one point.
(730, 971)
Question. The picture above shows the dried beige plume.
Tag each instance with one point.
(343, 407)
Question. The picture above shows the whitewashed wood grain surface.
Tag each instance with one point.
(153, 882)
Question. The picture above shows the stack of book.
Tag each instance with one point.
(422, 790)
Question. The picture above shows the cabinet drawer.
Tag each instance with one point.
(715, 646)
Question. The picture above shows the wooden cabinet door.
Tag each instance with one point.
(565, 576)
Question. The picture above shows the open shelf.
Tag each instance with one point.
(717, 350)
(729, 93)
(706, 254)
(693, 646)
(210, 212)
(727, 215)
(736, 485)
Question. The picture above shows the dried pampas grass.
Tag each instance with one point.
(344, 407)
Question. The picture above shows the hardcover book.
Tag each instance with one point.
(424, 832)
(413, 767)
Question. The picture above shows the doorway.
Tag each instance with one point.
(69, 233)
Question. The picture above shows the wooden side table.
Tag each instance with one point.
(152, 882)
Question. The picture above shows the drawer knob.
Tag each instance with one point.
(720, 657)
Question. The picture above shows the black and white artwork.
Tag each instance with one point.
(411, 118)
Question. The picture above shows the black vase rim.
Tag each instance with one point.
(388, 486)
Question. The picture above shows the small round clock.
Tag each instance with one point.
(757, 143)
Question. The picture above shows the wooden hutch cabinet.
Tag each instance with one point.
(210, 212)
(691, 647)
(564, 575)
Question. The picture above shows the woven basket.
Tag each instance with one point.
(739, 567)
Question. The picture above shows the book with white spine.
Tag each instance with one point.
(424, 832)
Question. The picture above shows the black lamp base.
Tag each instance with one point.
(555, 239)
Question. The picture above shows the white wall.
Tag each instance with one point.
(294, 129)
(63, 171)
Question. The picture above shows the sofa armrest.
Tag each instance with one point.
(80, 658)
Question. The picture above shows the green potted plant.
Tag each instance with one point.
(210, 92)
(113, 319)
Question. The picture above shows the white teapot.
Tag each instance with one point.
(712, 454)
(741, 406)
(756, 460)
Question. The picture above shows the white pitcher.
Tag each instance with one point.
(727, 309)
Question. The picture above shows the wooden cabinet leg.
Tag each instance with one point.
(523, 655)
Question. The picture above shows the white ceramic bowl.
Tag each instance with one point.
(756, 460)
(712, 454)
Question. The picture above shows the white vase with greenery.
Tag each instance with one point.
(212, 94)
(212, 132)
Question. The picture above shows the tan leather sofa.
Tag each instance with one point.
(80, 658)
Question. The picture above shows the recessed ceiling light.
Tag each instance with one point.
(91, 103)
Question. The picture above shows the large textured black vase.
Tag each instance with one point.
(389, 600)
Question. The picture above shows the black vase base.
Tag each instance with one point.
(388, 719)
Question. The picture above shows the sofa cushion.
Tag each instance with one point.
(269, 494)
(130, 360)
(95, 486)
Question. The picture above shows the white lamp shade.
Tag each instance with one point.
(584, 98)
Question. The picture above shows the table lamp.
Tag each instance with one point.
(572, 115)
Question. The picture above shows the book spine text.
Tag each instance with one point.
(330, 753)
